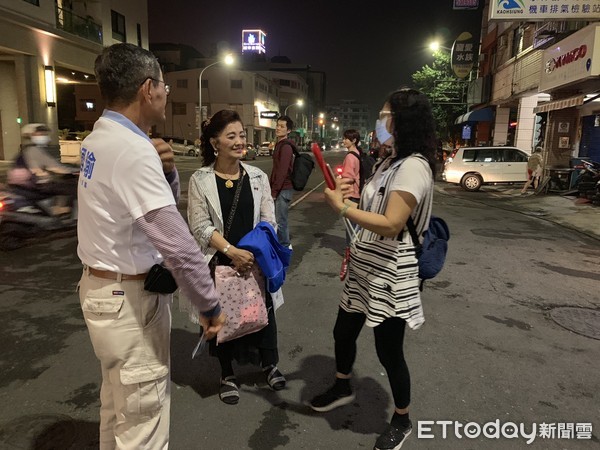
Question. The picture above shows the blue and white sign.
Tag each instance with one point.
(253, 41)
(466, 132)
(538, 10)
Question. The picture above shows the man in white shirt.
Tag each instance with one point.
(128, 222)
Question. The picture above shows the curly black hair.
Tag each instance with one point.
(413, 124)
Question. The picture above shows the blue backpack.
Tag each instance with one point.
(432, 252)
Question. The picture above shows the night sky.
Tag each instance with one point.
(367, 48)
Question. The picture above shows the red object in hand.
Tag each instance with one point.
(323, 166)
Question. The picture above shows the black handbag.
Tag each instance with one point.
(160, 280)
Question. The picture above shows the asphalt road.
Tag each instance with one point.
(488, 350)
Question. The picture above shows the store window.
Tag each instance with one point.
(118, 26)
(179, 109)
(88, 105)
(139, 35)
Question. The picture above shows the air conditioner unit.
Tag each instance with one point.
(502, 41)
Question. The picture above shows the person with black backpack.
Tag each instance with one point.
(351, 171)
(280, 179)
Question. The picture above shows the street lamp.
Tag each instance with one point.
(228, 60)
(298, 103)
(435, 46)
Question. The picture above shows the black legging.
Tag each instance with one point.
(389, 342)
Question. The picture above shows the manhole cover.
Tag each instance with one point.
(43, 431)
(582, 321)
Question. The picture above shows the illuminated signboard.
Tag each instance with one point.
(253, 41)
(463, 54)
(269, 114)
(465, 4)
(539, 10)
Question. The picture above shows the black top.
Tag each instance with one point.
(243, 222)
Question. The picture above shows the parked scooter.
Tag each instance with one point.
(25, 215)
(588, 183)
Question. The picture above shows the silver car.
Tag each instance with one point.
(472, 167)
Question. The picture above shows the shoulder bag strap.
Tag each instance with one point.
(236, 199)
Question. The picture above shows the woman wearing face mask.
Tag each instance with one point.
(212, 194)
(401, 188)
(34, 167)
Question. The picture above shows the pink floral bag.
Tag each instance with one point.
(242, 299)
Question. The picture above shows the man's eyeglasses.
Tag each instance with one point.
(167, 87)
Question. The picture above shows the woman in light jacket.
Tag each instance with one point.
(212, 190)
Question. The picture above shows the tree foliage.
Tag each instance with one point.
(444, 90)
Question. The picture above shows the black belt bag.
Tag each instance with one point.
(160, 280)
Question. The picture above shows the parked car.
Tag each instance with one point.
(265, 149)
(472, 167)
(182, 146)
(249, 152)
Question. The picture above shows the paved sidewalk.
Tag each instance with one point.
(567, 211)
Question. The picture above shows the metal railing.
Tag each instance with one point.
(84, 27)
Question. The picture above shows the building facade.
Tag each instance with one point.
(248, 93)
(541, 80)
(47, 48)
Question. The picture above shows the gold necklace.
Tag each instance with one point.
(229, 182)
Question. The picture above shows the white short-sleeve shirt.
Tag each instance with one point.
(121, 180)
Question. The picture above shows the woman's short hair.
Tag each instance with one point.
(211, 128)
(413, 124)
(120, 71)
(352, 135)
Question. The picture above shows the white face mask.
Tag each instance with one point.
(381, 131)
(40, 140)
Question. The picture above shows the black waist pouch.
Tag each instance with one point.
(160, 280)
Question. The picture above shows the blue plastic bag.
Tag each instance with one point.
(272, 257)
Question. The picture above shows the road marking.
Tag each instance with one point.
(306, 195)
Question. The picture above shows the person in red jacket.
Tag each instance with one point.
(280, 180)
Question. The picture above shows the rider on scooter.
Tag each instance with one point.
(34, 168)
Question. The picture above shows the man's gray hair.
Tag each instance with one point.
(120, 71)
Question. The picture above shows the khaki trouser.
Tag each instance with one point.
(130, 332)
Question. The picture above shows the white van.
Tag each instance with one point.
(471, 167)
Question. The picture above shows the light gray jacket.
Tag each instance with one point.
(204, 208)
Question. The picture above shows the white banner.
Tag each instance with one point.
(538, 10)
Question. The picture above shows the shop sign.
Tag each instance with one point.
(563, 142)
(466, 132)
(269, 114)
(563, 127)
(463, 55)
(465, 4)
(253, 41)
(575, 58)
(539, 10)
